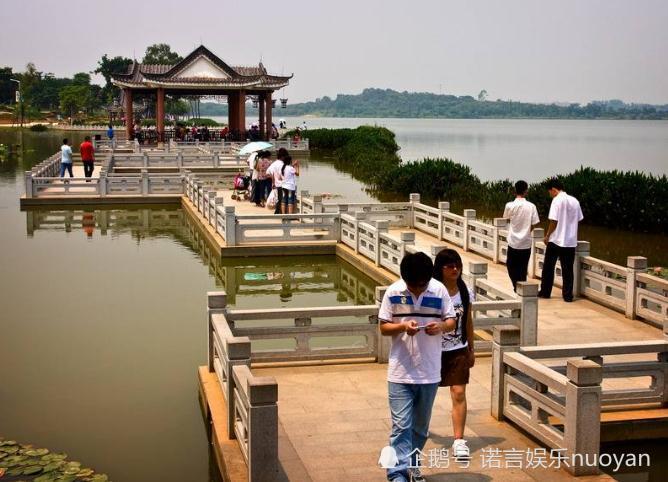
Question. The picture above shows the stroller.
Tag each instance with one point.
(242, 185)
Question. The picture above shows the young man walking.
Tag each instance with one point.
(561, 239)
(523, 215)
(87, 157)
(415, 311)
(65, 159)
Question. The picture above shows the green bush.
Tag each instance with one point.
(624, 200)
(38, 128)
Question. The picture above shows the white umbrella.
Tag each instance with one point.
(254, 147)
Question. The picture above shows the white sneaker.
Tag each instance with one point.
(460, 450)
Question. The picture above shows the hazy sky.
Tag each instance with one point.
(531, 50)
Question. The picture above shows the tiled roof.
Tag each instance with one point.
(142, 75)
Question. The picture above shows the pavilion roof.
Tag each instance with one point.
(201, 68)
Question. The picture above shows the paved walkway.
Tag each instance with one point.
(335, 418)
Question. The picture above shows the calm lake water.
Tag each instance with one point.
(103, 320)
(531, 149)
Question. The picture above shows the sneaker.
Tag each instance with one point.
(416, 475)
(460, 450)
(541, 295)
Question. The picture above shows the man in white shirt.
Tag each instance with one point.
(274, 170)
(415, 311)
(522, 215)
(65, 159)
(561, 239)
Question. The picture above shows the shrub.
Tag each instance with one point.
(38, 128)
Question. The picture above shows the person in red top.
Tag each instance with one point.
(87, 157)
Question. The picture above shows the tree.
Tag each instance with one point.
(73, 98)
(482, 95)
(160, 54)
(106, 67)
(7, 87)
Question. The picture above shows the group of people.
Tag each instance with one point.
(87, 152)
(429, 317)
(561, 237)
(274, 182)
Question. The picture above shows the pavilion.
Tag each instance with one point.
(202, 73)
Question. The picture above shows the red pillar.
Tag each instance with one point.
(129, 116)
(242, 114)
(261, 115)
(232, 113)
(268, 113)
(160, 115)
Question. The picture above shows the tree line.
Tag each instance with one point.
(43, 94)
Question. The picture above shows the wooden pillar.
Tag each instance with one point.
(242, 114)
(268, 113)
(261, 116)
(160, 115)
(129, 116)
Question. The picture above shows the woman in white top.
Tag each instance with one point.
(457, 356)
(289, 173)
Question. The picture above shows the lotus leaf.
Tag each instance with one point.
(85, 472)
(11, 449)
(66, 478)
(15, 471)
(32, 470)
(53, 465)
(46, 478)
(8, 442)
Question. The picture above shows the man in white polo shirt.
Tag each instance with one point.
(561, 239)
(522, 215)
(415, 311)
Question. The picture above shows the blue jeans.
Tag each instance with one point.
(410, 408)
(68, 166)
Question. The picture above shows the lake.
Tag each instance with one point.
(103, 320)
(529, 148)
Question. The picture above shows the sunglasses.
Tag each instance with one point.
(452, 266)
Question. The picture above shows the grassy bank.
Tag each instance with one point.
(622, 200)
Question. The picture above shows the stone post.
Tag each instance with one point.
(179, 160)
(216, 301)
(528, 294)
(144, 182)
(359, 216)
(102, 183)
(407, 239)
(537, 236)
(28, 180)
(262, 429)
(506, 340)
(499, 224)
(145, 159)
(582, 427)
(413, 199)
(230, 226)
(212, 208)
(384, 342)
(477, 271)
(469, 215)
(218, 209)
(634, 265)
(317, 207)
(443, 207)
(435, 249)
(382, 226)
(581, 251)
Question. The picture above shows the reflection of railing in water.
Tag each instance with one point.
(116, 221)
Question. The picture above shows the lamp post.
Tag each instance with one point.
(20, 100)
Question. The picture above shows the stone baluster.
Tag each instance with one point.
(382, 226)
(383, 342)
(443, 207)
(537, 236)
(469, 215)
(581, 251)
(230, 226)
(413, 198)
(262, 428)
(582, 427)
(144, 182)
(499, 224)
(28, 182)
(528, 294)
(506, 340)
(634, 265)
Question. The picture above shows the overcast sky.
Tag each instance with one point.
(530, 50)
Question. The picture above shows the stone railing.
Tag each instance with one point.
(252, 413)
(561, 404)
(626, 289)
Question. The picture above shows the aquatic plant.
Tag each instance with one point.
(41, 465)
